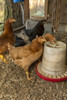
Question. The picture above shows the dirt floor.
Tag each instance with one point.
(14, 85)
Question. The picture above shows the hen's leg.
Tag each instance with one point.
(2, 57)
(20, 63)
(27, 74)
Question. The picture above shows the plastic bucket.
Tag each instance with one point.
(15, 1)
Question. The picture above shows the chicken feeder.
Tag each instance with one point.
(52, 67)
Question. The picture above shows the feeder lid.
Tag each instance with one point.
(53, 78)
(16, 1)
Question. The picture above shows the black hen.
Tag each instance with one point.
(37, 30)
(19, 42)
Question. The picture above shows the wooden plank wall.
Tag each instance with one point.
(63, 12)
(26, 9)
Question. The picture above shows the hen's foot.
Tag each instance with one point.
(2, 57)
(29, 78)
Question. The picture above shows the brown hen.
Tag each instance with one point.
(7, 36)
(25, 56)
(28, 54)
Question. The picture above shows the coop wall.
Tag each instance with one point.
(63, 15)
(63, 12)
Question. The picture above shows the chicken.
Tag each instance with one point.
(28, 54)
(37, 30)
(7, 36)
(49, 37)
(19, 42)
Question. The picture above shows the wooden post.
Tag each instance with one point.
(56, 15)
(26, 9)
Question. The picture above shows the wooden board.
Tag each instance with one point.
(26, 9)
(63, 12)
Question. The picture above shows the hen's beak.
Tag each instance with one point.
(13, 20)
(44, 40)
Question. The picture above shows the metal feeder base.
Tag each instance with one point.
(47, 77)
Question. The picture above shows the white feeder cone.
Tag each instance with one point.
(53, 62)
(54, 58)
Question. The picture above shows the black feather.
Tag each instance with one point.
(19, 42)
